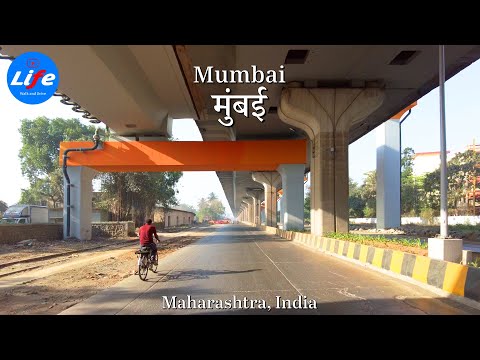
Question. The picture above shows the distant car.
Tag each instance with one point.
(223, 221)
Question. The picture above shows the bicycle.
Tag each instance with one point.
(146, 262)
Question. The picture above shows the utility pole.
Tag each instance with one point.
(443, 147)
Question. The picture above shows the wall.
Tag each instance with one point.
(113, 229)
(13, 233)
(363, 221)
(10, 234)
(56, 215)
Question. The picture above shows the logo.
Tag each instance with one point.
(32, 78)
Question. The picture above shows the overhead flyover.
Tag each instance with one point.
(156, 156)
(404, 73)
(136, 90)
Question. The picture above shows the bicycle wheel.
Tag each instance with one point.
(155, 264)
(143, 267)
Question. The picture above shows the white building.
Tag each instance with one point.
(425, 162)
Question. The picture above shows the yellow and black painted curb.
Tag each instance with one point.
(451, 277)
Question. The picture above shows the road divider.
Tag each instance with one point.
(453, 278)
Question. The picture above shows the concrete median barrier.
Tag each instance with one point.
(453, 278)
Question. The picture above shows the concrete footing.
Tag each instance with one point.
(445, 249)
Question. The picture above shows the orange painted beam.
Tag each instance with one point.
(400, 114)
(155, 156)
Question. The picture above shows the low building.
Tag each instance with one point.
(425, 162)
(171, 217)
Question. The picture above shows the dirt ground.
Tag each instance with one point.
(399, 247)
(64, 288)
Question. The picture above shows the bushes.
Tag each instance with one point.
(366, 239)
(427, 215)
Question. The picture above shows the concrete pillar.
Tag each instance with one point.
(80, 202)
(270, 180)
(388, 175)
(245, 211)
(326, 116)
(293, 195)
(250, 211)
(263, 218)
(255, 195)
(282, 207)
(257, 212)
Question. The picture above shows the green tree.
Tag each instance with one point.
(41, 137)
(408, 156)
(3, 206)
(409, 189)
(39, 156)
(202, 209)
(461, 170)
(306, 207)
(188, 207)
(368, 193)
(127, 195)
(431, 191)
(133, 196)
(210, 208)
(49, 188)
(356, 203)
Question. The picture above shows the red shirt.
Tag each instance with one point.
(146, 234)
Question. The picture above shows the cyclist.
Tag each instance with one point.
(146, 234)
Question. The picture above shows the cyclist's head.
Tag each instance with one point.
(149, 221)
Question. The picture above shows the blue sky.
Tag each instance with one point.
(420, 131)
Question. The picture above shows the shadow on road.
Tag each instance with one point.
(199, 274)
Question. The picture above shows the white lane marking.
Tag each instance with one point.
(334, 273)
(281, 272)
(345, 292)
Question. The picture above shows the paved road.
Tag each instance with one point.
(242, 270)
